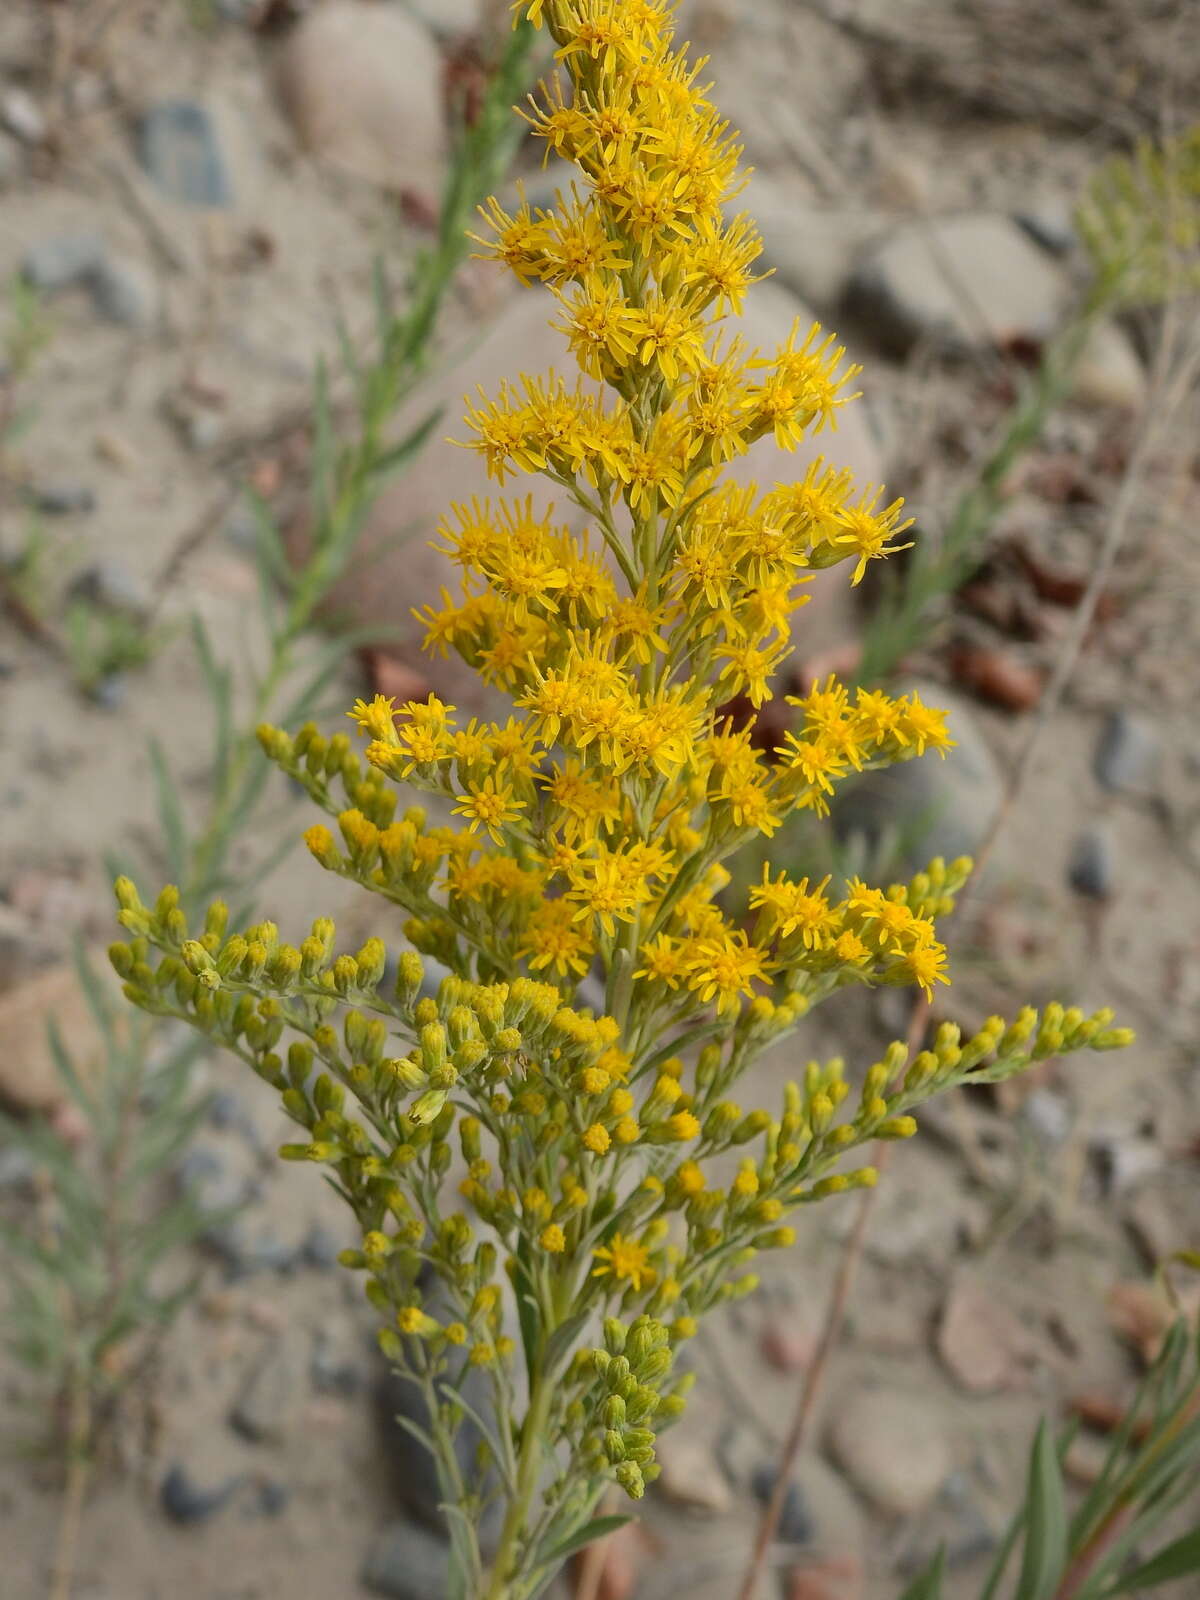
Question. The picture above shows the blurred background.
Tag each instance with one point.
(237, 317)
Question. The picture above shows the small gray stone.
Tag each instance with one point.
(1128, 753)
(178, 147)
(1109, 373)
(448, 19)
(691, 1475)
(414, 1473)
(62, 261)
(1050, 223)
(64, 499)
(336, 1366)
(1048, 1114)
(188, 1502)
(320, 1248)
(17, 1167)
(113, 586)
(796, 1523)
(124, 292)
(931, 805)
(22, 116)
(110, 691)
(273, 1497)
(1091, 869)
(891, 1445)
(407, 1562)
(266, 1407)
(964, 282)
(820, 1507)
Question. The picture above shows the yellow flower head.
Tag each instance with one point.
(623, 1259)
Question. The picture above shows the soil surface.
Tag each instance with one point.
(985, 1297)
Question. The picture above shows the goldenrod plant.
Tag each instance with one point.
(613, 1191)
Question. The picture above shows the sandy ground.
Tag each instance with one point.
(1041, 1224)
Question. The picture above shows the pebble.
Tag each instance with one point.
(273, 1497)
(820, 1507)
(1109, 372)
(320, 1248)
(956, 1524)
(933, 805)
(125, 292)
(1050, 222)
(1048, 1114)
(115, 449)
(336, 1367)
(179, 149)
(362, 86)
(22, 116)
(448, 19)
(1091, 868)
(964, 282)
(62, 261)
(691, 1477)
(17, 1167)
(111, 691)
(1128, 753)
(407, 1562)
(893, 1448)
(796, 1522)
(838, 1577)
(812, 250)
(414, 1473)
(113, 586)
(188, 1502)
(266, 1407)
(64, 499)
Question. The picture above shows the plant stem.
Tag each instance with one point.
(79, 1466)
(529, 1472)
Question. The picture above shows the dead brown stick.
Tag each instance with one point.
(831, 1332)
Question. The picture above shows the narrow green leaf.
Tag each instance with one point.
(527, 1311)
(1046, 1549)
(170, 812)
(502, 1460)
(68, 1073)
(561, 1341)
(324, 456)
(220, 688)
(597, 1528)
(389, 462)
(928, 1584)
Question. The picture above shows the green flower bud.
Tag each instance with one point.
(612, 1412)
(410, 974)
(200, 964)
(427, 1107)
(751, 1125)
(629, 1475)
(614, 1446)
(614, 1336)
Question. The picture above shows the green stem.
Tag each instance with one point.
(506, 1562)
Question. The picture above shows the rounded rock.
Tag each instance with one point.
(908, 287)
(893, 1448)
(362, 86)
